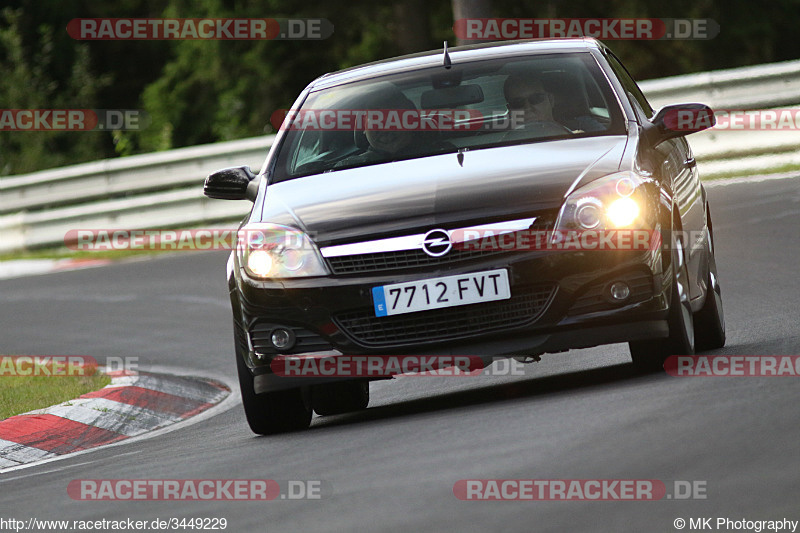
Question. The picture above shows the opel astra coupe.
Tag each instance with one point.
(471, 201)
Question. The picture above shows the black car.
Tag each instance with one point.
(369, 238)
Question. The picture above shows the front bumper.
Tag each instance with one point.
(558, 302)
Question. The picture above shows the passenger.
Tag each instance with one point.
(383, 145)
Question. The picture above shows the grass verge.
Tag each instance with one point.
(65, 253)
(789, 167)
(20, 394)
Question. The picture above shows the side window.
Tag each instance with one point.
(634, 93)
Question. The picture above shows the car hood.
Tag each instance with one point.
(491, 184)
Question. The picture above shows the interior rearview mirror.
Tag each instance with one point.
(451, 97)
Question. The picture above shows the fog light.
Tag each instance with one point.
(620, 291)
(282, 338)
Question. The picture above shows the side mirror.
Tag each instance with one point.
(678, 120)
(235, 183)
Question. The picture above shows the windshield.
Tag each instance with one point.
(474, 105)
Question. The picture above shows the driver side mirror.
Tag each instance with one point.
(235, 183)
(678, 120)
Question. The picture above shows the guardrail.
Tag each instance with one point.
(159, 190)
(757, 87)
(729, 152)
(164, 189)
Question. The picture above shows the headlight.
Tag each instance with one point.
(272, 251)
(611, 202)
(622, 212)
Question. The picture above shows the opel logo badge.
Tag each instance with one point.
(436, 243)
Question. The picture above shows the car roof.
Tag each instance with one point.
(433, 58)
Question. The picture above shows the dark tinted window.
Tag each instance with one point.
(431, 111)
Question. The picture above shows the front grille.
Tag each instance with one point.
(307, 341)
(450, 323)
(404, 259)
(401, 259)
(594, 299)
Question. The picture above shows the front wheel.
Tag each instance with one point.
(709, 321)
(271, 412)
(649, 355)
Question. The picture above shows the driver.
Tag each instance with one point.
(529, 99)
(536, 105)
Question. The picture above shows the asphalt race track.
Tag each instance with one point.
(581, 415)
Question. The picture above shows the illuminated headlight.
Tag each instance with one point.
(259, 263)
(611, 202)
(269, 251)
(622, 212)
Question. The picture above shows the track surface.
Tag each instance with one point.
(581, 415)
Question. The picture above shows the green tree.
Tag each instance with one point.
(28, 82)
(206, 91)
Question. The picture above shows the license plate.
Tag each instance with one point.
(436, 293)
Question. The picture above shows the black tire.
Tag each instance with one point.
(649, 355)
(271, 412)
(709, 321)
(338, 398)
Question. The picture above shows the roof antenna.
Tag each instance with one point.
(447, 63)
